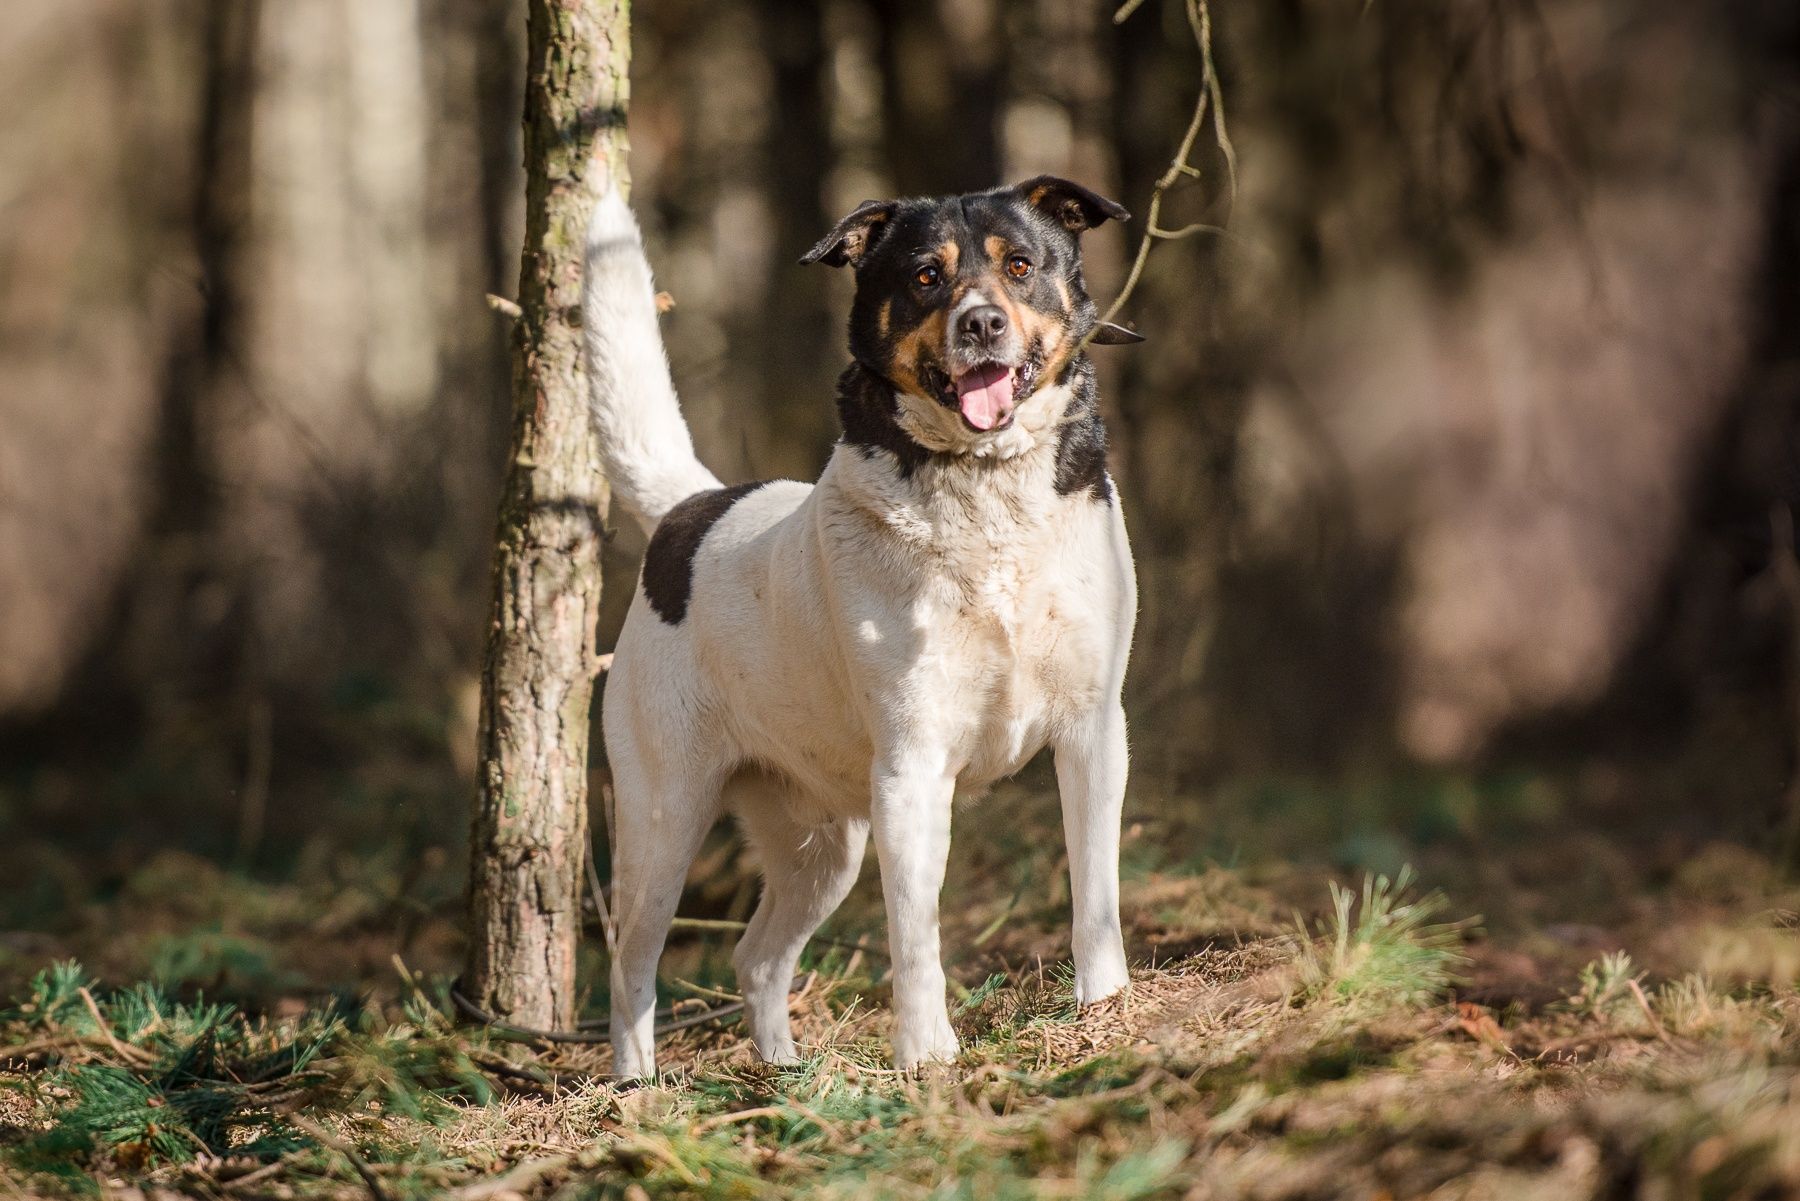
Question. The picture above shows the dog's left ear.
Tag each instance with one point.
(851, 239)
(1073, 206)
(1108, 334)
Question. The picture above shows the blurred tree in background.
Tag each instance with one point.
(1470, 445)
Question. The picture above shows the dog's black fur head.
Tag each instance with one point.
(968, 301)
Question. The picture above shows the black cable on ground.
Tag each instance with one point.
(589, 1031)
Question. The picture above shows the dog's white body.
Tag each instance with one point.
(853, 654)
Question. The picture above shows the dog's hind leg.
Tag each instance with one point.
(661, 814)
(807, 870)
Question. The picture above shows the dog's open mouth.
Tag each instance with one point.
(987, 393)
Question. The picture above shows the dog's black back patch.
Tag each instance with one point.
(669, 560)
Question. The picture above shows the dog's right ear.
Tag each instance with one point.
(852, 238)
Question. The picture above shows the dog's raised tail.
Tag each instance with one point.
(644, 443)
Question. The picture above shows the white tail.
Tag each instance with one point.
(644, 443)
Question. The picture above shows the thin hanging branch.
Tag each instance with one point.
(1210, 100)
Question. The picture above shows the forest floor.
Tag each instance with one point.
(1623, 1022)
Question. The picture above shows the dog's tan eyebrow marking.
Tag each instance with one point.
(996, 247)
(884, 317)
(948, 254)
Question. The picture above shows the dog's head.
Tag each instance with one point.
(966, 304)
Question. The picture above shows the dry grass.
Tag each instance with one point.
(1373, 1049)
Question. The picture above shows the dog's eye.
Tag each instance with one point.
(926, 277)
(1018, 266)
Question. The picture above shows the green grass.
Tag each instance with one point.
(1335, 1055)
(1382, 947)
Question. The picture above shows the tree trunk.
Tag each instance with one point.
(530, 828)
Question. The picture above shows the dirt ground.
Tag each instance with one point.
(1559, 1017)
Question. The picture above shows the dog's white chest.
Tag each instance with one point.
(1014, 637)
(962, 621)
(999, 713)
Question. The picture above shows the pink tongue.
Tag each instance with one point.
(985, 396)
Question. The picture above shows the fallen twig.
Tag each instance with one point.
(1637, 991)
(515, 1181)
(125, 1051)
(315, 1131)
(256, 1177)
(742, 1115)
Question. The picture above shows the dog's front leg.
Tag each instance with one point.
(1091, 762)
(910, 816)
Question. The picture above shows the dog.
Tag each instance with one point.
(842, 658)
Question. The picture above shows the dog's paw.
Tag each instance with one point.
(628, 1065)
(778, 1050)
(934, 1044)
(1101, 981)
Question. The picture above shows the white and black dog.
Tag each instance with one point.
(954, 594)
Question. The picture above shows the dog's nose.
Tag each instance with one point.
(983, 325)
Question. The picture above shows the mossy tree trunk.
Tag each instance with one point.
(530, 826)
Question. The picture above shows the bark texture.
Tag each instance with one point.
(530, 826)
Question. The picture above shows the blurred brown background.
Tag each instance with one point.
(1460, 471)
